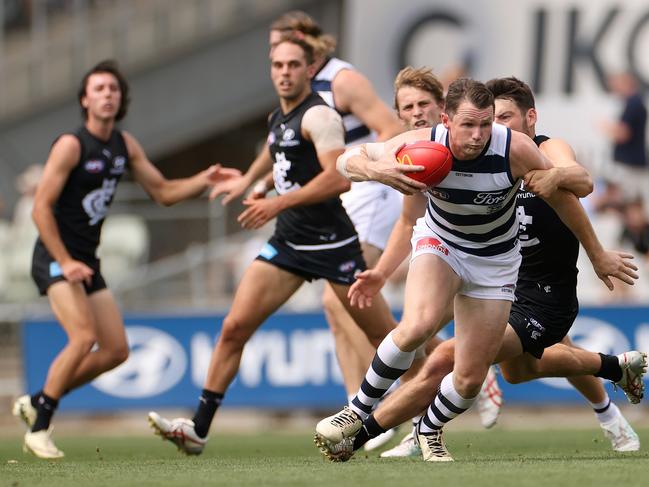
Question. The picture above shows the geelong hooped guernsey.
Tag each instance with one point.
(355, 131)
(548, 247)
(474, 208)
(89, 191)
(323, 225)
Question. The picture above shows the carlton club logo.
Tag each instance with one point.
(288, 137)
(430, 243)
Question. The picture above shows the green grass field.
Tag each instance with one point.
(484, 458)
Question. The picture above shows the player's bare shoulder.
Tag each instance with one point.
(132, 145)
(66, 151)
(347, 84)
(524, 155)
(324, 127)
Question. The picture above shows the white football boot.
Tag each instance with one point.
(621, 434)
(335, 452)
(179, 431)
(41, 445)
(24, 410)
(433, 448)
(407, 448)
(344, 424)
(380, 440)
(634, 366)
(490, 399)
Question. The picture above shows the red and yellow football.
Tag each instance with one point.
(435, 157)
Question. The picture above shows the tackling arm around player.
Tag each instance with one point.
(548, 313)
(447, 249)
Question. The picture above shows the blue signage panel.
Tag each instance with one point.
(289, 363)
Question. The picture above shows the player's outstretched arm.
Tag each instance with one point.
(63, 157)
(525, 157)
(371, 281)
(606, 263)
(235, 187)
(170, 191)
(378, 162)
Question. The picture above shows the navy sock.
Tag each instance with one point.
(371, 429)
(34, 398)
(45, 410)
(209, 402)
(610, 368)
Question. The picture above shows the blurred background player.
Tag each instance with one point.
(372, 207)
(546, 302)
(73, 196)
(314, 238)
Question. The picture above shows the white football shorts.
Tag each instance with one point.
(374, 209)
(491, 277)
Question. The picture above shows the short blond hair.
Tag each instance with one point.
(421, 78)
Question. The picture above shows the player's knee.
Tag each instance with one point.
(83, 341)
(412, 334)
(441, 361)
(467, 384)
(519, 373)
(118, 356)
(511, 376)
(234, 333)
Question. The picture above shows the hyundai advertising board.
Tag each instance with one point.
(289, 362)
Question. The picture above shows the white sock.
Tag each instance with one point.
(609, 413)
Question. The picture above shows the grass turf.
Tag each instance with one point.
(502, 458)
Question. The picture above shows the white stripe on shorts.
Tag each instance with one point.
(333, 245)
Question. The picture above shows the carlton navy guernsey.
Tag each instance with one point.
(549, 248)
(89, 191)
(324, 224)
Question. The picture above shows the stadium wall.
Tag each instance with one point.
(289, 362)
(564, 50)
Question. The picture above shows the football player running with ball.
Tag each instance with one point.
(419, 102)
(465, 251)
(545, 307)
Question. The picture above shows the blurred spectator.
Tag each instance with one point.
(630, 172)
(636, 230)
(23, 228)
(17, 254)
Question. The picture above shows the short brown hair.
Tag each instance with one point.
(470, 90)
(513, 89)
(106, 66)
(421, 78)
(299, 21)
(306, 47)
